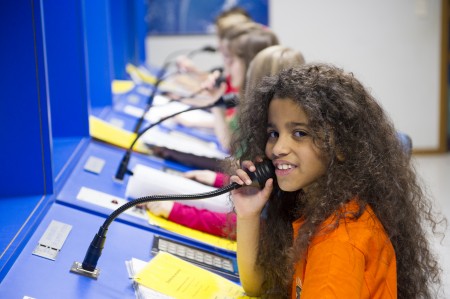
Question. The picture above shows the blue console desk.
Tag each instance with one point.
(130, 235)
(42, 278)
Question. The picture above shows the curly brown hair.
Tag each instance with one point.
(366, 161)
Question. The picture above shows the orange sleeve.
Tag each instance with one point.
(334, 269)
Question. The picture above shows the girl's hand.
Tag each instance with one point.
(206, 177)
(248, 200)
(160, 208)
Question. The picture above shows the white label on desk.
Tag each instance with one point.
(52, 240)
(133, 111)
(117, 122)
(94, 165)
(145, 91)
(108, 201)
(132, 98)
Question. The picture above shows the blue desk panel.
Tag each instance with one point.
(104, 181)
(41, 278)
(138, 95)
(19, 216)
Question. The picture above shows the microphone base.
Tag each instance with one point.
(78, 269)
(116, 180)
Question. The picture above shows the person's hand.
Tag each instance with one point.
(160, 208)
(210, 89)
(207, 177)
(249, 201)
(210, 83)
(185, 65)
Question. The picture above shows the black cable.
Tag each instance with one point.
(264, 171)
(95, 248)
(228, 100)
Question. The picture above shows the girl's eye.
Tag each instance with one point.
(300, 134)
(272, 134)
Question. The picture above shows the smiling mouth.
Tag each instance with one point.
(284, 169)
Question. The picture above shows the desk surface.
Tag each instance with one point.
(41, 278)
(104, 180)
(136, 99)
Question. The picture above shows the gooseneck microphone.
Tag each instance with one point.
(190, 52)
(264, 171)
(160, 78)
(209, 49)
(219, 80)
(227, 100)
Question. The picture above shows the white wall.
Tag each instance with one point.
(393, 47)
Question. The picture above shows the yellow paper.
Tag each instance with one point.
(109, 133)
(177, 278)
(192, 233)
(147, 77)
(131, 69)
(122, 86)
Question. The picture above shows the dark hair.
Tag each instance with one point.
(366, 161)
(249, 43)
(230, 13)
(246, 42)
(233, 11)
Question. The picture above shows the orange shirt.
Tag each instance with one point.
(355, 260)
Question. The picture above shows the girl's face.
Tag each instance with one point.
(297, 160)
(237, 71)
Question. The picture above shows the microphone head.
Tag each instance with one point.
(264, 171)
(228, 100)
(217, 69)
(209, 49)
(221, 79)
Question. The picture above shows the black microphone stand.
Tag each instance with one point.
(228, 100)
(264, 171)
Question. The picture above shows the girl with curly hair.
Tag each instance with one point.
(344, 216)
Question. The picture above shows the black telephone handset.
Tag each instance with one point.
(264, 171)
(221, 79)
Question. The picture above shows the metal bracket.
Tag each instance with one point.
(52, 240)
(77, 268)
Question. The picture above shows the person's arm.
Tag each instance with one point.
(221, 180)
(249, 203)
(247, 238)
(213, 223)
(204, 176)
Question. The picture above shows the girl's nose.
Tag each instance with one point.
(281, 147)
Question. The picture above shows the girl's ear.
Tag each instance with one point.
(340, 155)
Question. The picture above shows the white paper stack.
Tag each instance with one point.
(149, 181)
